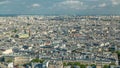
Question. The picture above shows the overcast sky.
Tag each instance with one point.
(81, 7)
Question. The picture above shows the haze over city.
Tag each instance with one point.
(60, 7)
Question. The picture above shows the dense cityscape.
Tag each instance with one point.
(60, 42)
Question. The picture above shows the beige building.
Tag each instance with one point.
(21, 60)
(6, 52)
(58, 64)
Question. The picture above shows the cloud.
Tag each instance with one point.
(102, 5)
(81, 4)
(71, 4)
(115, 2)
(92, 7)
(35, 5)
(4, 2)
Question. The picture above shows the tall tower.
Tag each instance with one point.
(25, 31)
(29, 32)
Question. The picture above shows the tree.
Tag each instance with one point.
(37, 60)
(15, 30)
(118, 53)
(82, 66)
(93, 65)
(77, 63)
(10, 60)
(112, 63)
(106, 66)
(70, 63)
(64, 64)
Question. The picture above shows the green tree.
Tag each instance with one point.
(37, 60)
(93, 65)
(10, 60)
(77, 63)
(15, 30)
(106, 66)
(64, 64)
(71, 64)
(82, 66)
(112, 63)
(118, 53)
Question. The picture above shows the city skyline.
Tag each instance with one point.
(60, 7)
